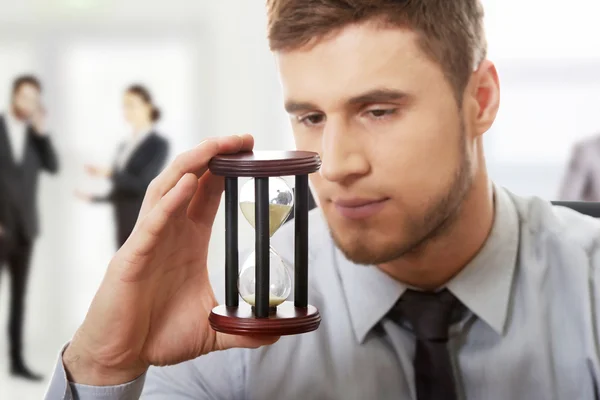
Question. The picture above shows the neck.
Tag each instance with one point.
(141, 128)
(443, 257)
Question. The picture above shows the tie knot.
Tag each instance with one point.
(430, 314)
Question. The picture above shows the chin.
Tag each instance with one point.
(365, 248)
(22, 114)
(363, 254)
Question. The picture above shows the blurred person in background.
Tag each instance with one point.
(139, 160)
(581, 181)
(25, 150)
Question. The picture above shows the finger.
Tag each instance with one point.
(148, 231)
(194, 161)
(205, 203)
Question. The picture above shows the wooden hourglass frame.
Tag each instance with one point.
(288, 318)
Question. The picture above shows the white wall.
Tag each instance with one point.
(543, 29)
(17, 57)
(548, 58)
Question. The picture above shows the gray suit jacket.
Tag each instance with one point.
(581, 181)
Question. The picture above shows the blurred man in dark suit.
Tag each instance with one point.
(25, 150)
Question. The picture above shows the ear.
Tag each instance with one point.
(484, 97)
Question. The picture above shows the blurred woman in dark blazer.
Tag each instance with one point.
(139, 160)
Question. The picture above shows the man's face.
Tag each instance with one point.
(26, 101)
(390, 133)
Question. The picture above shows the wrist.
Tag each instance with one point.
(83, 368)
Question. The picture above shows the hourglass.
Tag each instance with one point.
(264, 282)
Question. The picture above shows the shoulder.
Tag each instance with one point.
(557, 229)
(158, 140)
(586, 144)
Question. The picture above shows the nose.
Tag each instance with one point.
(343, 156)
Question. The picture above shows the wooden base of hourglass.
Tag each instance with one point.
(286, 320)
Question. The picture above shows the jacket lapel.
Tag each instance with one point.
(28, 151)
(139, 151)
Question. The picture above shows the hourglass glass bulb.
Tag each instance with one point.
(280, 282)
(281, 201)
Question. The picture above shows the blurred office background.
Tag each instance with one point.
(210, 70)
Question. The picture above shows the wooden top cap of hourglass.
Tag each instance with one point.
(264, 164)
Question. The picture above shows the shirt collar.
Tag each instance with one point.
(370, 294)
(483, 286)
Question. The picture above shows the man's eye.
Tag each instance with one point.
(312, 119)
(382, 113)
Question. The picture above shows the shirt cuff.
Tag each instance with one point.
(61, 389)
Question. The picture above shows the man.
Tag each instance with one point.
(25, 150)
(432, 282)
(581, 181)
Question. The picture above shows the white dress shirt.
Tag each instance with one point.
(129, 148)
(17, 136)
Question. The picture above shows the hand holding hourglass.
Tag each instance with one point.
(140, 315)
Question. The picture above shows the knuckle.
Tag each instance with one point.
(152, 190)
(180, 164)
(210, 146)
(152, 227)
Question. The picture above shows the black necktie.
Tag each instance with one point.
(430, 315)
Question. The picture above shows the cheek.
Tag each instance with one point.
(29, 107)
(307, 141)
(316, 183)
(22, 104)
(139, 113)
(419, 158)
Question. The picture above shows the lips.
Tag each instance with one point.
(359, 208)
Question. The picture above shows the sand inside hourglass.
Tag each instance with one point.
(274, 301)
(277, 215)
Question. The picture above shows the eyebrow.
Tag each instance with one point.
(372, 96)
(378, 96)
(294, 107)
